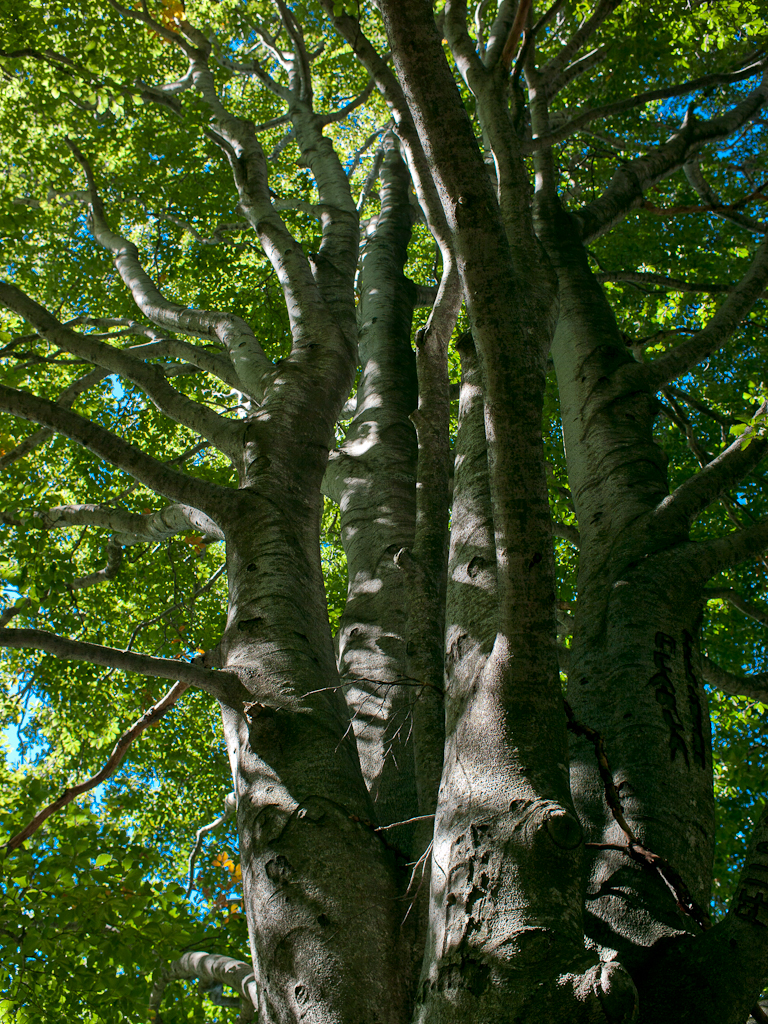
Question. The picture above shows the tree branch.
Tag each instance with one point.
(510, 45)
(214, 363)
(713, 556)
(529, 37)
(631, 180)
(212, 969)
(734, 598)
(674, 284)
(110, 570)
(65, 399)
(754, 687)
(634, 849)
(574, 71)
(386, 82)
(339, 115)
(587, 116)
(229, 810)
(553, 69)
(248, 358)
(128, 527)
(150, 717)
(221, 432)
(682, 507)
(702, 407)
(566, 532)
(108, 446)
(727, 211)
(736, 306)
(224, 686)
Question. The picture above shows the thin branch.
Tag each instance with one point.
(672, 409)
(686, 904)
(150, 717)
(210, 658)
(728, 211)
(339, 115)
(702, 407)
(552, 70)
(574, 71)
(216, 236)
(529, 36)
(674, 284)
(407, 821)
(630, 103)
(65, 399)
(229, 810)
(370, 179)
(216, 364)
(739, 302)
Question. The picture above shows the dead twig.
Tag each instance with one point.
(634, 849)
(150, 717)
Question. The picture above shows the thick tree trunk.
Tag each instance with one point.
(634, 671)
(517, 952)
(373, 478)
(318, 882)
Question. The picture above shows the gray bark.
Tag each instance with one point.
(373, 478)
(337, 752)
(521, 802)
(635, 672)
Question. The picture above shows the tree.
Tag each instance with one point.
(428, 830)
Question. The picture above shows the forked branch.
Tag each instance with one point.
(220, 431)
(552, 70)
(233, 332)
(229, 810)
(630, 181)
(734, 598)
(713, 556)
(717, 477)
(731, 313)
(585, 117)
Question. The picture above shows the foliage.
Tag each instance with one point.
(95, 902)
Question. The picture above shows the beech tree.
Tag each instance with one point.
(466, 304)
